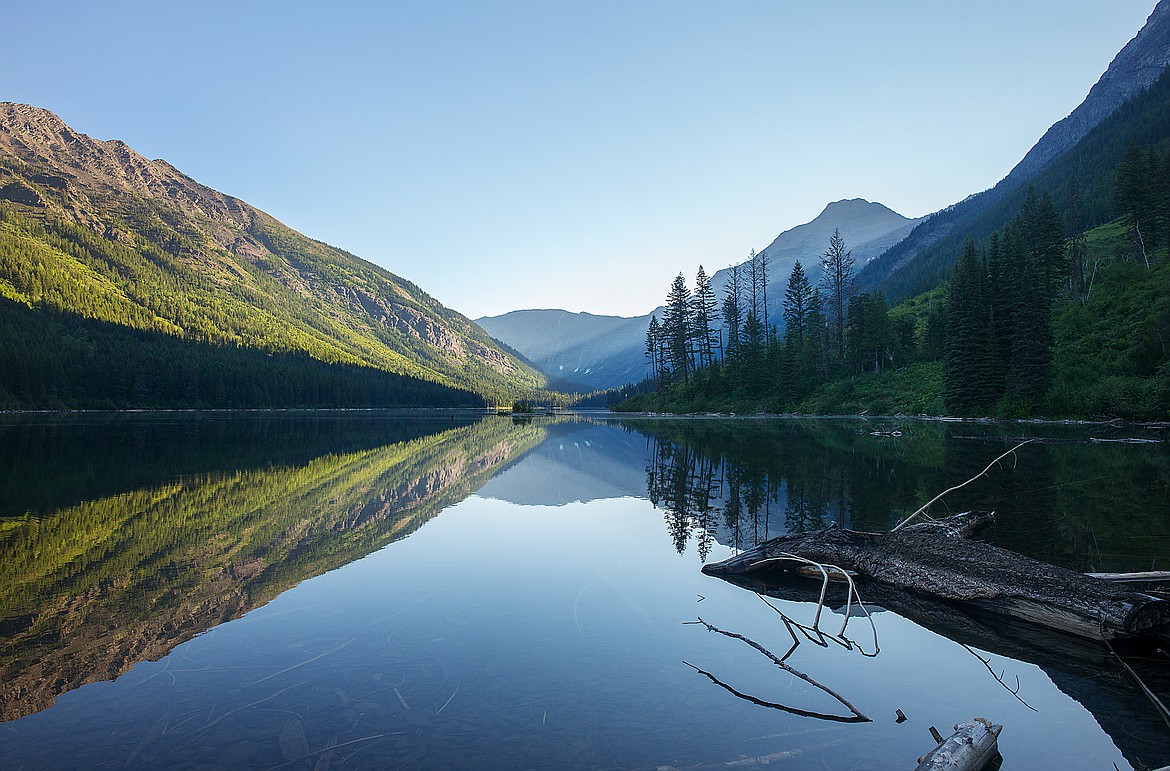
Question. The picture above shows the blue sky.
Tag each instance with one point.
(574, 155)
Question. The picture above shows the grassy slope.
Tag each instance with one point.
(155, 269)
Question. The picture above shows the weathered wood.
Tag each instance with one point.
(937, 559)
(1134, 578)
(972, 746)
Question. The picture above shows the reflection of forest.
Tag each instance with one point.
(1066, 500)
(741, 483)
(88, 590)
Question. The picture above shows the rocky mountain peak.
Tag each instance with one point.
(1135, 68)
(40, 138)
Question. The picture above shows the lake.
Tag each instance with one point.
(452, 590)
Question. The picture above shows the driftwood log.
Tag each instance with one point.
(972, 746)
(938, 559)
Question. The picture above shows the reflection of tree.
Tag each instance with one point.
(1069, 501)
(695, 489)
(803, 512)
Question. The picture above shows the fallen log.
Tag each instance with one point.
(938, 559)
(971, 747)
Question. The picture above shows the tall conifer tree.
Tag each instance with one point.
(837, 278)
(966, 388)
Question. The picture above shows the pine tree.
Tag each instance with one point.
(762, 272)
(678, 327)
(837, 264)
(966, 389)
(733, 310)
(1029, 372)
(1002, 290)
(797, 300)
(704, 306)
(652, 345)
(753, 281)
(1133, 195)
(1074, 228)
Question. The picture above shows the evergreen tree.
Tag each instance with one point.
(753, 281)
(1075, 231)
(798, 299)
(704, 307)
(867, 332)
(1029, 372)
(678, 327)
(762, 273)
(652, 345)
(1134, 197)
(966, 361)
(803, 329)
(1001, 297)
(733, 310)
(837, 278)
(1044, 237)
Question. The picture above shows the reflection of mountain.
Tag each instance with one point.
(89, 590)
(577, 462)
(50, 462)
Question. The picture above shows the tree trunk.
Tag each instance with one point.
(936, 559)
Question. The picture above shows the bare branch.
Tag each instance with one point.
(982, 473)
(858, 717)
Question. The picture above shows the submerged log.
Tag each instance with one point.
(971, 747)
(938, 559)
(1085, 670)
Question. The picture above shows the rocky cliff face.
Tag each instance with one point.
(49, 170)
(40, 138)
(1134, 68)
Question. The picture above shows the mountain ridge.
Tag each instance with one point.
(1135, 67)
(121, 227)
(923, 258)
(601, 351)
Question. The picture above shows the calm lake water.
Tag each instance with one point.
(442, 590)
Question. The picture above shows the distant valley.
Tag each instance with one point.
(600, 352)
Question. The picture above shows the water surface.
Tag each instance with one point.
(441, 590)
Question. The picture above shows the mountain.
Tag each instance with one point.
(1135, 68)
(925, 256)
(92, 231)
(868, 229)
(609, 351)
(593, 351)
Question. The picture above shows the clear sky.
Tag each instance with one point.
(564, 153)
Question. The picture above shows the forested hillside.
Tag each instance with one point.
(130, 265)
(1037, 321)
(1079, 183)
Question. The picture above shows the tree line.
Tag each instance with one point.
(998, 339)
(828, 330)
